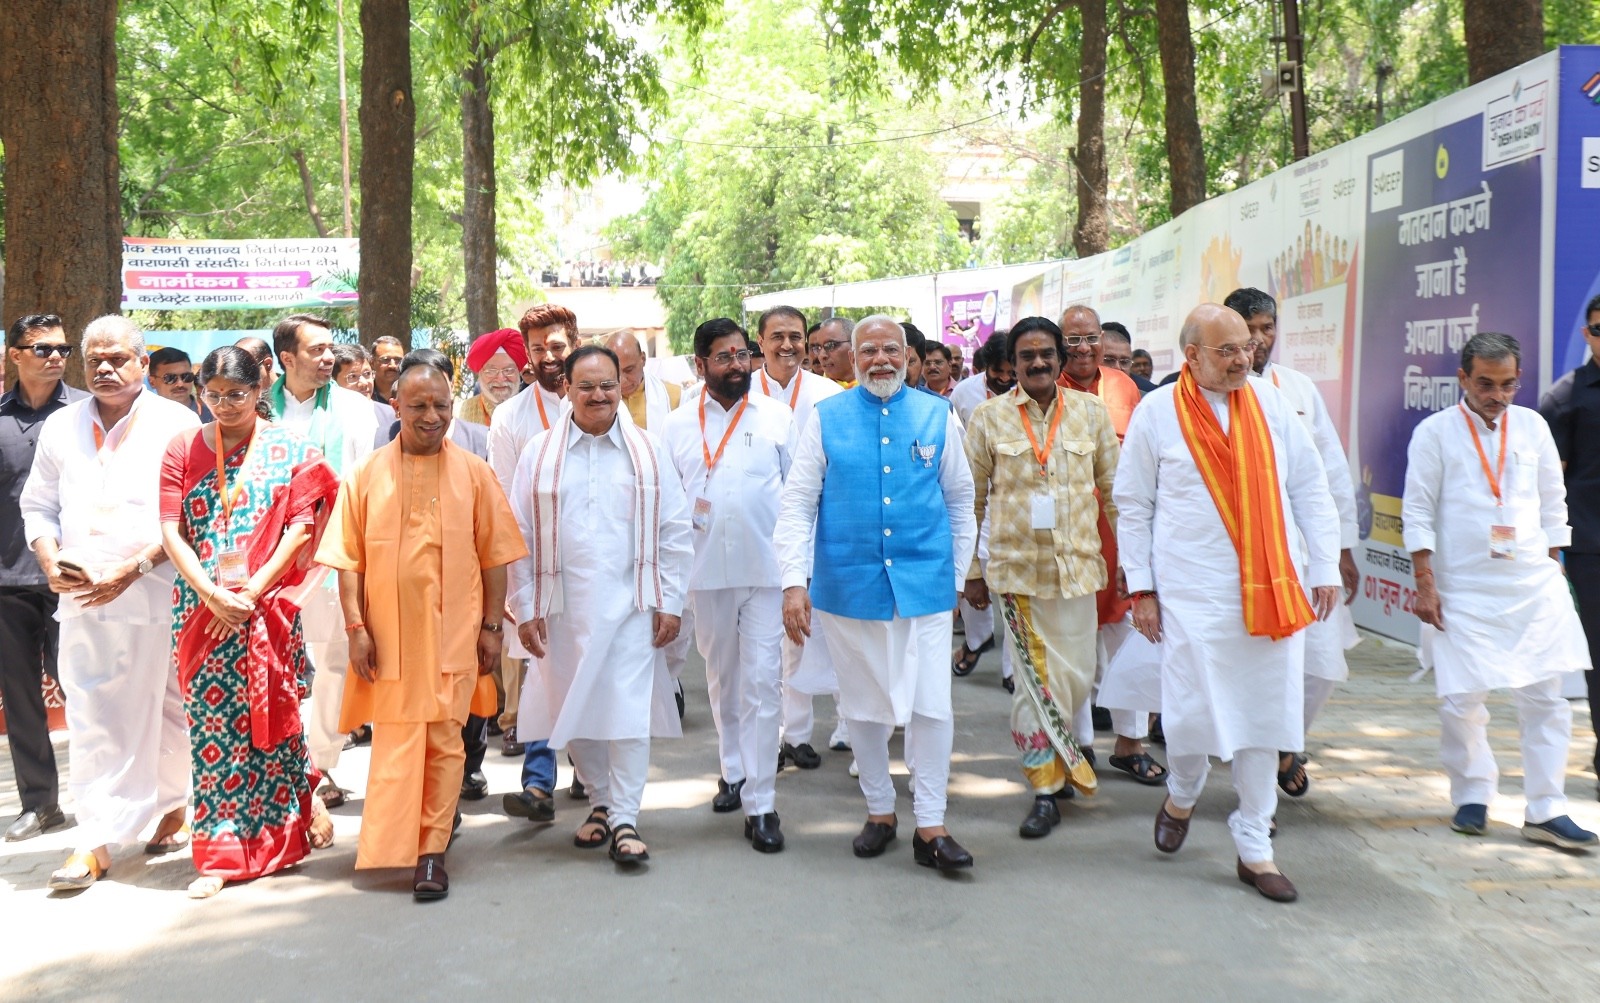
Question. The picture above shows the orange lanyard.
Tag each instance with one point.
(1277, 384)
(1042, 455)
(538, 398)
(1494, 476)
(705, 447)
(100, 435)
(794, 395)
(227, 497)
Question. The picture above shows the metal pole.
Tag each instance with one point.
(1297, 99)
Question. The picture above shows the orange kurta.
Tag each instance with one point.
(1120, 395)
(421, 530)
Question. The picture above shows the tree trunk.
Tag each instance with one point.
(478, 197)
(58, 124)
(388, 131)
(1501, 34)
(309, 188)
(1092, 234)
(1186, 156)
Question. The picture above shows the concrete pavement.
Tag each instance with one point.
(1392, 902)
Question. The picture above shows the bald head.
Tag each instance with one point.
(630, 361)
(1217, 346)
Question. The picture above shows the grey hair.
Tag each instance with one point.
(1490, 347)
(115, 327)
(1084, 308)
(878, 318)
(846, 326)
(1190, 334)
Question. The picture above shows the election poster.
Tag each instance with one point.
(239, 274)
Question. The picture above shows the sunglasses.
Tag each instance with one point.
(170, 378)
(1593, 329)
(45, 351)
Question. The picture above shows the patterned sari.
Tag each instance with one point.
(252, 792)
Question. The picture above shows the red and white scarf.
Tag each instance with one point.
(647, 590)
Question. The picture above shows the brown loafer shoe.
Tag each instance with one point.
(874, 839)
(1170, 831)
(1273, 886)
(941, 853)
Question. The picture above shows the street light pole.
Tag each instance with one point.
(1297, 97)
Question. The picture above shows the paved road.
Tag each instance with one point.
(1393, 903)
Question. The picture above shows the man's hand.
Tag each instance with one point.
(1147, 617)
(65, 581)
(666, 628)
(797, 613)
(1122, 584)
(109, 584)
(1349, 574)
(488, 650)
(534, 635)
(1324, 600)
(363, 656)
(976, 593)
(1427, 608)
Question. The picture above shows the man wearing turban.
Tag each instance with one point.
(498, 359)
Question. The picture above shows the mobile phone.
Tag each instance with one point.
(72, 568)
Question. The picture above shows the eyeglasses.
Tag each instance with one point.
(170, 378)
(235, 398)
(505, 373)
(1079, 340)
(831, 346)
(1487, 387)
(871, 351)
(45, 351)
(1232, 351)
(605, 386)
(723, 358)
(1593, 329)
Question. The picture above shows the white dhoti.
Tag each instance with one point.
(738, 632)
(129, 754)
(882, 685)
(328, 647)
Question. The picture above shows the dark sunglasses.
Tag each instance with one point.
(170, 378)
(45, 351)
(1593, 329)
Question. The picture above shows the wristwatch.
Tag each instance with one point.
(144, 567)
(493, 628)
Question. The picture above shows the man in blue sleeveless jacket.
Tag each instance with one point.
(881, 488)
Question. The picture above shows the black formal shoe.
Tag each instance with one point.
(802, 755)
(1010, 684)
(874, 839)
(942, 853)
(475, 787)
(35, 822)
(727, 798)
(1101, 718)
(1170, 830)
(1042, 818)
(509, 746)
(763, 833)
(678, 699)
(536, 806)
(576, 791)
(494, 727)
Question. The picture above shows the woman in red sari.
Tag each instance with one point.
(241, 504)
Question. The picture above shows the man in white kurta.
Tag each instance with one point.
(1226, 691)
(606, 521)
(732, 450)
(807, 669)
(91, 503)
(1485, 514)
(1326, 640)
(881, 493)
(344, 425)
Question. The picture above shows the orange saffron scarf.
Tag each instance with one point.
(1241, 472)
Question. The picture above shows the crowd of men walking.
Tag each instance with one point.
(323, 547)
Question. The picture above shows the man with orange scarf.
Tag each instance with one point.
(1083, 370)
(1215, 470)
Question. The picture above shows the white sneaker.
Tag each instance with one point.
(855, 771)
(839, 741)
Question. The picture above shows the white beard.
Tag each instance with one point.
(886, 387)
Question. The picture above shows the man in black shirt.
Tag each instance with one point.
(1572, 407)
(37, 349)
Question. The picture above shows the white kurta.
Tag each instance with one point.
(1221, 689)
(358, 420)
(600, 678)
(801, 400)
(888, 687)
(1326, 640)
(512, 426)
(968, 394)
(1507, 623)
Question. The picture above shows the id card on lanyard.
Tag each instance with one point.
(700, 518)
(1502, 537)
(1043, 511)
(233, 566)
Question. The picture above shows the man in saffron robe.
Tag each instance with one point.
(1214, 473)
(421, 535)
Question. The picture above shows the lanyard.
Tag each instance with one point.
(100, 436)
(1494, 476)
(228, 496)
(538, 398)
(1280, 385)
(1042, 455)
(705, 447)
(794, 395)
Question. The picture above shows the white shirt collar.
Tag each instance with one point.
(614, 433)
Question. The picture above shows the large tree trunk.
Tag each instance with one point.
(1092, 234)
(477, 205)
(58, 123)
(1501, 34)
(1186, 157)
(388, 132)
